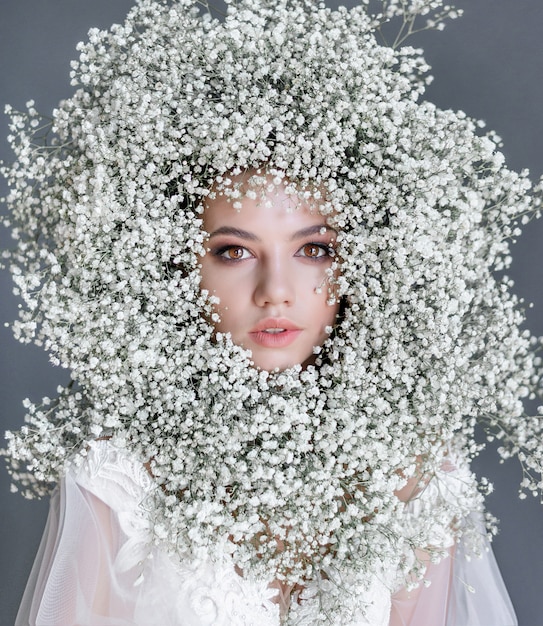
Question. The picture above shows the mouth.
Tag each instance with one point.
(274, 333)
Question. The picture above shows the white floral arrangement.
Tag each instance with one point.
(106, 201)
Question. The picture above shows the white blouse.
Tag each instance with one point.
(96, 567)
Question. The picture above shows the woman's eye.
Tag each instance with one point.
(233, 253)
(315, 250)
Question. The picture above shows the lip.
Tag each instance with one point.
(282, 339)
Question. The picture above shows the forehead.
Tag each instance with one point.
(267, 205)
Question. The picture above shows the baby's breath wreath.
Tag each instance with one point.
(106, 201)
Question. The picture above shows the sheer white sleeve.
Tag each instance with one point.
(477, 592)
(76, 578)
(96, 565)
(463, 590)
(462, 593)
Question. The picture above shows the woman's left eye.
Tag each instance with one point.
(314, 251)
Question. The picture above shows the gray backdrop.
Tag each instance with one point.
(489, 63)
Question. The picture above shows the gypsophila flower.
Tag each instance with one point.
(106, 205)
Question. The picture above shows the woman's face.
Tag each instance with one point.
(267, 264)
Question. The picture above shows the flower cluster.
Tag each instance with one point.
(106, 205)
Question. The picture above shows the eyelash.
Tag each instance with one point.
(327, 249)
(220, 252)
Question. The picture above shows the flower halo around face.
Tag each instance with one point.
(108, 210)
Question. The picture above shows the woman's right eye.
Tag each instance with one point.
(233, 253)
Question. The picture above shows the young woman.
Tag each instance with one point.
(270, 274)
(266, 263)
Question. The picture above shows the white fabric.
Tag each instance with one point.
(95, 567)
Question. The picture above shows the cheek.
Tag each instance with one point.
(329, 314)
(213, 279)
(228, 313)
(320, 314)
(318, 302)
(229, 295)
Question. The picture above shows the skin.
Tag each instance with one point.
(267, 264)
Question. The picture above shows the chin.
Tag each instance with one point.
(270, 362)
(273, 367)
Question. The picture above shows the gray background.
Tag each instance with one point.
(489, 63)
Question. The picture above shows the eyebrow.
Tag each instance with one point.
(248, 236)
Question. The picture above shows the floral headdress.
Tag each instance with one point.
(106, 203)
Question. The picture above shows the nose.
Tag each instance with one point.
(274, 285)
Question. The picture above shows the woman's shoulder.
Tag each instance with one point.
(113, 473)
